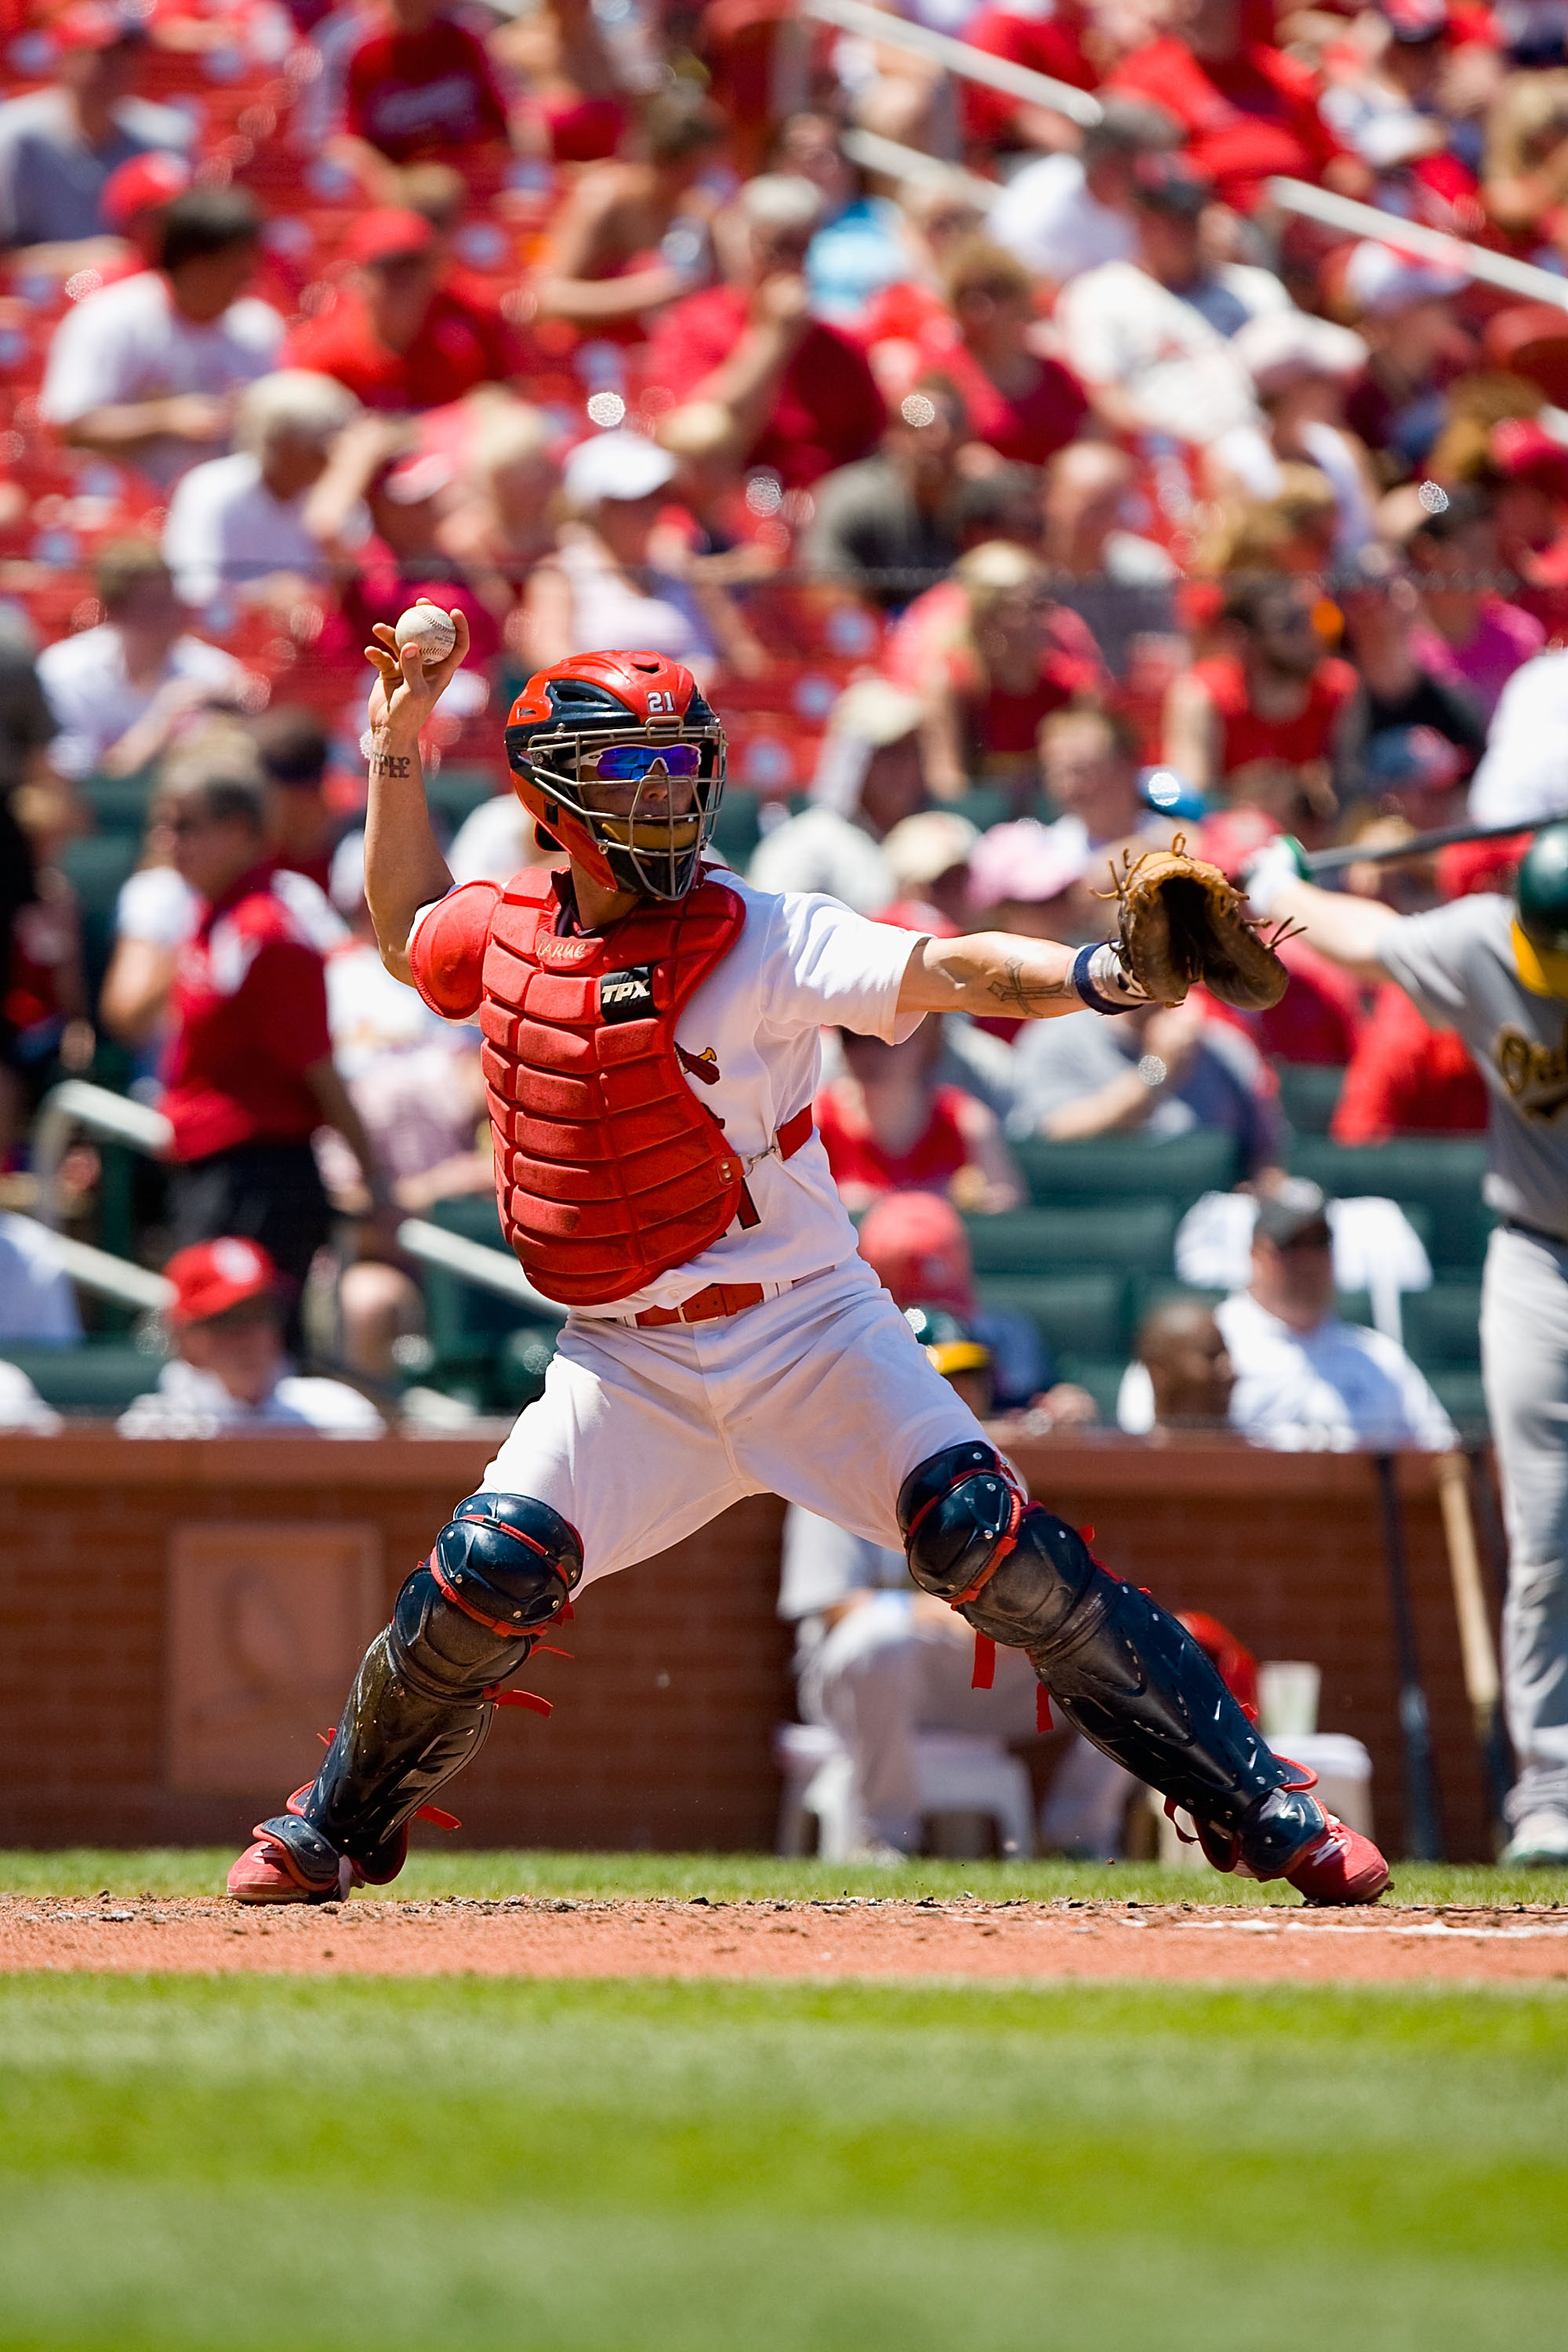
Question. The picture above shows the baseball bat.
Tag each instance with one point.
(1478, 1652)
(1424, 1821)
(1442, 837)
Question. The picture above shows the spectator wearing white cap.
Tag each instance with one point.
(601, 587)
(241, 526)
(1404, 311)
(869, 777)
(1302, 368)
(928, 855)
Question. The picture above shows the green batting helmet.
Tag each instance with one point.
(1543, 892)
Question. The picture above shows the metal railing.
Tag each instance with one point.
(475, 1262)
(958, 56)
(1387, 228)
(73, 1105)
(99, 1271)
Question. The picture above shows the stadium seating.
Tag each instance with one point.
(1076, 1313)
(1130, 1236)
(1119, 1168)
(1434, 1172)
(1309, 1094)
(95, 1380)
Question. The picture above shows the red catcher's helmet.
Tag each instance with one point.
(578, 709)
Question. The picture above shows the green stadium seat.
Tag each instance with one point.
(1442, 1327)
(96, 865)
(738, 830)
(1462, 1398)
(1083, 1314)
(1131, 1237)
(1434, 1172)
(1309, 1094)
(1125, 1168)
(485, 1348)
(96, 1377)
(118, 804)
(1100, 1375)
(454, 793)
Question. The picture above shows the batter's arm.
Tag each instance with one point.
(1348, 930)
(990, 973)
(404, 867)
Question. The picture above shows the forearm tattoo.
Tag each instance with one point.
(391, 764)
(1018, 994)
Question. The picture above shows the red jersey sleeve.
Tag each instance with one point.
(446, 954)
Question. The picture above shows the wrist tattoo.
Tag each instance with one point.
(1022, 995)
(391, 764)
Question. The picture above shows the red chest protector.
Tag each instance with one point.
(608, 1170)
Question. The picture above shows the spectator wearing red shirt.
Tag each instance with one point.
(991, 656)
(1044, 41)
(1024, 406)
(403, 333)
(887, 1127)
(1249, 110)
(801, 395)
(248, 1071)
(1407, 1078)
(1279, 697)
(420, 89)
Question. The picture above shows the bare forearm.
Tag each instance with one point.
(746, 383)
(990, 973)
(586, 300)
(1126, 1102)
(119, 430)
(404, 867)
(337, 1110)
(1347, 929)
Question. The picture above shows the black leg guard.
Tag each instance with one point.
(1124, 1673)
(421, 1703)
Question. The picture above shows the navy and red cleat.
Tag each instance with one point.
(290, 1862)
(1288, 1835)
(1341, 1866)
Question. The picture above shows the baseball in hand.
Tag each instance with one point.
(427, 626)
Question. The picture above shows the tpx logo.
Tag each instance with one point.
(627, 995)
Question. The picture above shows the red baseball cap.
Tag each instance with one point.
(1525, 451)
(391, 233)
(90, 24)
(139, 185)
(212, 1277)
(916, 1245)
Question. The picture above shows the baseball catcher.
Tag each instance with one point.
(650, 1051)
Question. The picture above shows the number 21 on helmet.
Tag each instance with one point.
(644, 718)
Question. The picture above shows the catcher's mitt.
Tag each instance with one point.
(1182, 921)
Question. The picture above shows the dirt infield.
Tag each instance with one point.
(535, 1936)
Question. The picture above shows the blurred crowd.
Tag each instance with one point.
(1026, 490)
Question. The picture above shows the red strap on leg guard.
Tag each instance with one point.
(520, 1699)
(1044, 1719)
(434, 1814)
(984, 1674)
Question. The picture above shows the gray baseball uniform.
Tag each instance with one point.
(1457, 964)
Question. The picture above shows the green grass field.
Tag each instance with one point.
(744, 1877)
(253, 2162)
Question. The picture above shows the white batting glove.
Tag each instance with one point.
(1269, 871)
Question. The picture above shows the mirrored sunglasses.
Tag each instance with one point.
(628, 763)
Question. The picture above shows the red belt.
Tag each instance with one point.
(722, 1299)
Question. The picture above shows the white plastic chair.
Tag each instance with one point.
(957, 1772)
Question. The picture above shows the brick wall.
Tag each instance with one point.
(660, 1735)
